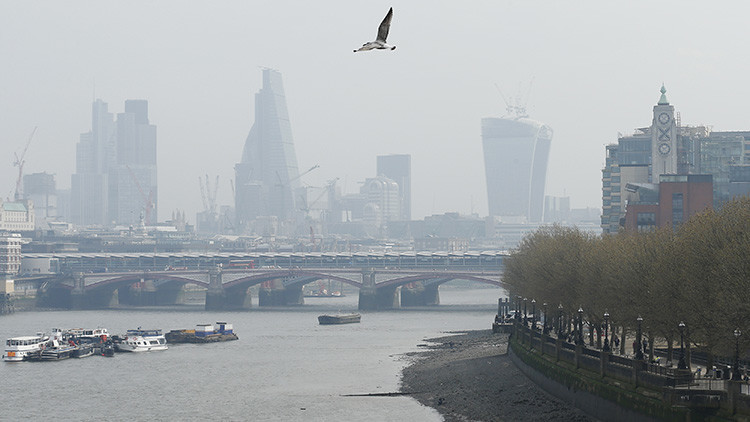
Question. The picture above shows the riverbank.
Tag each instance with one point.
(468, 376)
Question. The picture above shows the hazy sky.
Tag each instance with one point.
(596, 66)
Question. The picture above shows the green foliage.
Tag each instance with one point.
(699, 274)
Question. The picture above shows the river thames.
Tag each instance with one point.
(284, 367)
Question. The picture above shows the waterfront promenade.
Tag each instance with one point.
(577, 372)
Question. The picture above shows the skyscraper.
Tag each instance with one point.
(132, 179)
(397, 167)
(267, 175)
(95, 151)
(516, 150)
(115, 179)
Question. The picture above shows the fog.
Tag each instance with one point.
(596, 69)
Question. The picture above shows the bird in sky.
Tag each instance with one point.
(379, 42)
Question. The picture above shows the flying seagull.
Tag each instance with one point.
(382, 35)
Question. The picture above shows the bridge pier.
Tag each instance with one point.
(417, 294)
(271, 293)
(372, 298)
(170, 293)
(216, 298)
(238, 298)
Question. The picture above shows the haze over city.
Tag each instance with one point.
(596, 71)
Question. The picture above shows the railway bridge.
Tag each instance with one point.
(384, 281)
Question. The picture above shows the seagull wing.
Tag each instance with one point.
(385, 26)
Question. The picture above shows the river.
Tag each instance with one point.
(284, 367)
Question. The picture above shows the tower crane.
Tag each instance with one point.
(208, 195)
(148, 201)
(19, 163)
(281, 184)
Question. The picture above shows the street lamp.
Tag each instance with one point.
(559, 320)
(638, 340)
(606, 332)
(518, 308)
(533, 314)
(544, 327)
(736, 376)
(681, 363)
(580, 325)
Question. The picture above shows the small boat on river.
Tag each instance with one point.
(56, 348)
(20, 348)
(140, 341)
(338, 319)
(203, 333)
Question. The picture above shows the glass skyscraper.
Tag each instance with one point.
(516, 151)
(268, 174)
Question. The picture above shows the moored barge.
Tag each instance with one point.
(203, 333)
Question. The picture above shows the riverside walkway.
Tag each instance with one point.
(656, 391)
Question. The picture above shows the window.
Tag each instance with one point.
(677, 209)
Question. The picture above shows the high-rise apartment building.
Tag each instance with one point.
(267, 175)
(397, 167)
(115, 179)
(516, 151)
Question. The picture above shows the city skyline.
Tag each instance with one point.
(589, 83)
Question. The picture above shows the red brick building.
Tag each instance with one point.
(678, 197)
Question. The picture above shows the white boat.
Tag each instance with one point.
(88, 335)
(141, 341)
(20, 348)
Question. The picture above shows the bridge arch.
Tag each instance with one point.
(304, 276)
(400, 281)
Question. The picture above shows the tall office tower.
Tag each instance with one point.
(397, 167)
(132, 178)
(516, 150)
(95, 152)
(40, 188)
(267, 174)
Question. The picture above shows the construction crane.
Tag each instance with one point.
(19, 163)
(208, 195)
(307, 207)
(281, 184)
(148, 201)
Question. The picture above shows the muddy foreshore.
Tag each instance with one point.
(468, 376)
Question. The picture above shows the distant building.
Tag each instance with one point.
(516, 151)
(267, 174)
(40, 189)
(95, 152)
(668, 148)
(133, 192)
(556, 209)
(115, 178)
(10, 260)
(382, 204)
(397, 167)
(17, 216)
(670, 203)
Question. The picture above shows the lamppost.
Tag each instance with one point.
(580, 326)
(533, 314)
(544, 327)
(559, 320)
(525, 315)
(518, 308)
(736, 376)
(606, 332)
(681, 363)
(638, 340)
